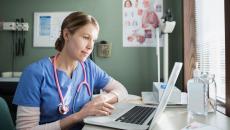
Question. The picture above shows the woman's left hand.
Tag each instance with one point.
(97, 107)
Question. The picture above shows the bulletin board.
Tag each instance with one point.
(140, 20)
(47, 26)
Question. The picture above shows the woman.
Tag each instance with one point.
(55, 92)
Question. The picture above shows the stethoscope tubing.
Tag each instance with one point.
(56, 80)
(84, 81)
(62, 107)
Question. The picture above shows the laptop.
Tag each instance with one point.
(137, 116)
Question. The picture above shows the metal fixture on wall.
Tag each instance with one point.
(17, 29)
(104, 49)
(15, 26)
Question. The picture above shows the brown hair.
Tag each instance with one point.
(72, 23)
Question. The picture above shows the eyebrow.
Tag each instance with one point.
(91, 36)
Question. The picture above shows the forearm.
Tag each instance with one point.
(115, 91)
(28, 119)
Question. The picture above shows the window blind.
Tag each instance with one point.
(210, 41)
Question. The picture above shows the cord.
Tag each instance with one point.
(17, 37)
(23, 40)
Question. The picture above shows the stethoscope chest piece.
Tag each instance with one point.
(63, 109)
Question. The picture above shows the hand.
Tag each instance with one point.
(97, 107)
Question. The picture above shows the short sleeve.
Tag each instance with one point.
(28, 89)
(101, 78)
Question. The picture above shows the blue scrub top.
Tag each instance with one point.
(37, 88)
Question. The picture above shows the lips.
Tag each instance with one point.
(85, 53)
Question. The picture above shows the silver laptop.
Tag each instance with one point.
(137, 117)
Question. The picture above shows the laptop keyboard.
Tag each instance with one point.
(137, 115)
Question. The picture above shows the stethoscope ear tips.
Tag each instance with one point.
(63, 109)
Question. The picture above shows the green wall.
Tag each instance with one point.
(134, 67)
(176, 51)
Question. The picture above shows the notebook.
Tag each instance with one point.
(136, 116)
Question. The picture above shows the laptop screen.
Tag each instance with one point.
(167, 92)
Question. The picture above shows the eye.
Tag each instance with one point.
(86, 37)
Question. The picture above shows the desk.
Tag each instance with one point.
(177, 118)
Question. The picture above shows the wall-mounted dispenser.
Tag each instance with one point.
(104, 49)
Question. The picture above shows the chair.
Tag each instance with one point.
(5, 116)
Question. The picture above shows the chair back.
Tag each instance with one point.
(5, 116)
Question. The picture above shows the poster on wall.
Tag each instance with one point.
(140, 20)
(47, 26)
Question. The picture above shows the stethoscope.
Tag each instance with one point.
(62, 107)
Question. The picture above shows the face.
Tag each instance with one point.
(80, 44)
(127, 4)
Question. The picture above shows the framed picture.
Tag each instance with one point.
(47, 26)
(141, 18)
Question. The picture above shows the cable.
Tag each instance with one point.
(22, 47)
(17, 39)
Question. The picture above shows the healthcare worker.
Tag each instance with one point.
(56, 92)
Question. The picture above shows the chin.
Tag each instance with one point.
(82, 59)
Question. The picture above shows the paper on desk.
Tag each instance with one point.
(199, 126)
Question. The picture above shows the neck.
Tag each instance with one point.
(65, 63)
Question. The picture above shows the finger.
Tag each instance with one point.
(101, 113)
(107, 105)
(109, 111)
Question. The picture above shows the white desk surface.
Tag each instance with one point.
(9, 79)
(178, 118)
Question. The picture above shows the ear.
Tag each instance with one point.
(66, 34)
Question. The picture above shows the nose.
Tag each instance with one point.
(90, 45)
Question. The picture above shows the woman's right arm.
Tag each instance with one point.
(28, 117)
